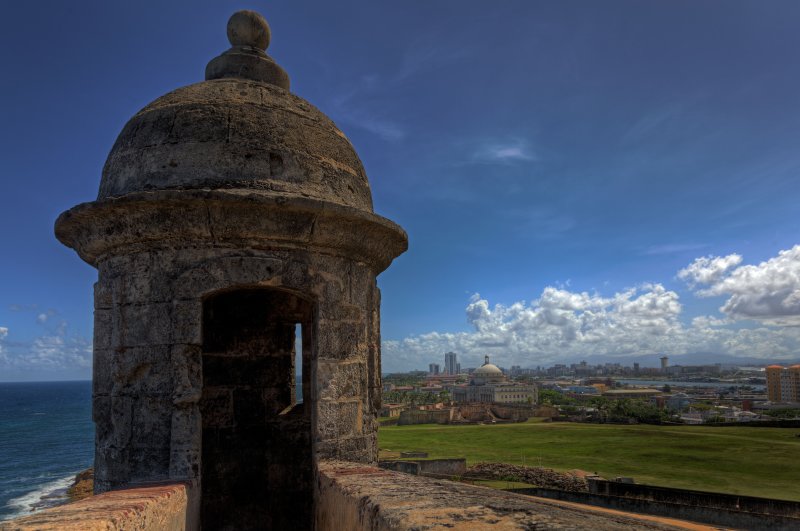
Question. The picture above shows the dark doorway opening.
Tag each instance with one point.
(256, 455)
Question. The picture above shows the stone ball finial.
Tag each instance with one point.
(248, 28)
(249, 35)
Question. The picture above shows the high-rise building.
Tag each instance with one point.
(783, 384)
(433, 369)
(664, 363)
(451, 363)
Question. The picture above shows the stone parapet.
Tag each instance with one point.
(159, 508)
(357, 497)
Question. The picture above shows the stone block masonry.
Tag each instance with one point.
(353, 497)
(358, 497)
(159, 508)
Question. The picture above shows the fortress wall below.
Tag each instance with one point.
(358, 497)
(157, 508)
(353, 496)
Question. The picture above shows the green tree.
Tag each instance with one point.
(549, 397)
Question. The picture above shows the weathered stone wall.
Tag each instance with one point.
(728, 517)
(514, 413)
(161, 508)
(357, 497)
(149, 359)
(406, 467)
(451, 467)
(488, 412)
(474, 412)
(416, 416)
(443, 468)
(696, 498)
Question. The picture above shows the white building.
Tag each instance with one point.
(488, 385)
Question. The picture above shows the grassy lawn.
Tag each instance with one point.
(739, 460)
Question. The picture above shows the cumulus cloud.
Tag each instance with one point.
(708, 269)
(768, 292)
(55, 354)
(560, 323)
(565, 325)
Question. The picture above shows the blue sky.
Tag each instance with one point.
(577, 179)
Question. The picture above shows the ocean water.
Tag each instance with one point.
(46, 437)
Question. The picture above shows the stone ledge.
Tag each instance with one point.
(158, 508)
(236, 219)
(360, 497)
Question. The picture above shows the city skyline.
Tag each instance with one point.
(651, 364)
(576, 180)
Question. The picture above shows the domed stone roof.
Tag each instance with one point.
(488, 370)
(240, 129)
(235, 161)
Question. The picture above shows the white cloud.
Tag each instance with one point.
(708, 269)
(558, 324)
(3, 353)
(41, 318)
(768, 292)
(507, 152)
(56, 352)
(564, 325)
(52, 355)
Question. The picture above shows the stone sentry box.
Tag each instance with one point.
(231, 215)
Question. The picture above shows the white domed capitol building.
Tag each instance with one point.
(488, 385)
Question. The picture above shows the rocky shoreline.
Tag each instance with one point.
(82, 487)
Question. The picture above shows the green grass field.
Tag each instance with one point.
(739, 460)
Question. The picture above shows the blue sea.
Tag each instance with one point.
(46, 437)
